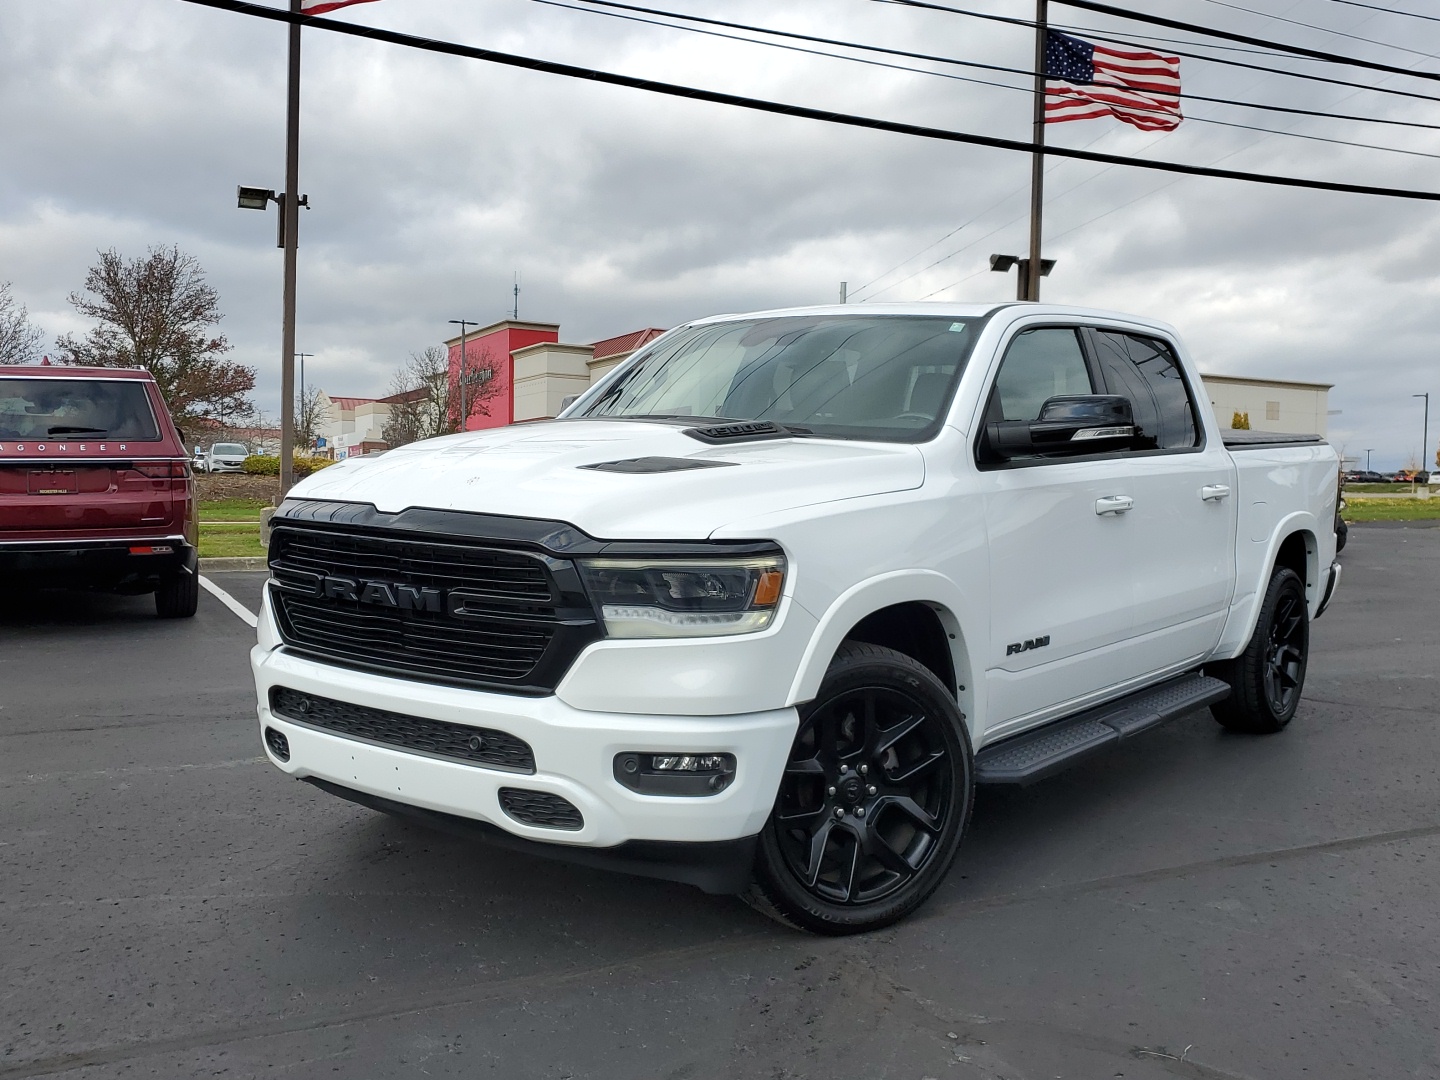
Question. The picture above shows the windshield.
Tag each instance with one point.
(97, 408)
(886, 377)
(229, 449)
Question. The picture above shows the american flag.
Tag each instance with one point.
(319, 7)
(1085, 81)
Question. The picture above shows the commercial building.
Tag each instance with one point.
(1284, 405)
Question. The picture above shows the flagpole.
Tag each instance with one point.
(290, 212)
(1030, 286)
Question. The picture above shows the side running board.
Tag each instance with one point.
(1037, 754)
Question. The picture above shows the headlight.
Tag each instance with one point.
(645, 598)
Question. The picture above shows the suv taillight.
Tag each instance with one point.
(162, 470)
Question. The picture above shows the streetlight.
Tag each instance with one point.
(1001, 264)
(1425, 446)
(1367, 457)
(464, 412)
(259, 198)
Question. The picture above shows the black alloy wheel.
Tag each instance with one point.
(874, 799)
(1267, 678)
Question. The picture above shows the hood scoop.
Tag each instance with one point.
(655, 465)
(743, 431)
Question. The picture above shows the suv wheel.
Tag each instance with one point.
(874, 800)
(177, 596)
(1266, 679)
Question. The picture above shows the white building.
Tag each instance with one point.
(1297, 408)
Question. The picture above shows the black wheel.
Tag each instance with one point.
(1266, 679)
(874, 800)
(177, 596)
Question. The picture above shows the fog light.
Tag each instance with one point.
(675, 774)
(277, 742)
(692, 763)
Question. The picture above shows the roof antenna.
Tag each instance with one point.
(516, 316)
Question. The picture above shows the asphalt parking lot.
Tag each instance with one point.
(1198, 904)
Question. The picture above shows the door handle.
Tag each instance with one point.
(1114, 504)
(1214, 492)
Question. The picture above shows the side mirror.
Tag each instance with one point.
(1068, 425)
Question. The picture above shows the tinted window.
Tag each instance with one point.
(76, 408)
(871, 376)
(1038, 365)
(228, 449)
(1144, 371)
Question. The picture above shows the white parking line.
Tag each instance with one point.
(229, 601)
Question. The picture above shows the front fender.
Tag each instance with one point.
(886, 590)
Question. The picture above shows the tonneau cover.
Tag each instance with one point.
(1254, 440)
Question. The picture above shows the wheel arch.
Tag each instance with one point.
(919, 613)
(1295, 544)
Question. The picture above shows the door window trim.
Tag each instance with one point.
(1083, 332)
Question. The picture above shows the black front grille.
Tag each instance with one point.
(434, 738)
(540, 808)
(460, 613)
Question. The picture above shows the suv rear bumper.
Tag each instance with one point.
(96, 563)
(698, 839)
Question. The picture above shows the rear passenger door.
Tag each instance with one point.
(1180, 531)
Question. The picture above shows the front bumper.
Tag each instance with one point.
(574, 753)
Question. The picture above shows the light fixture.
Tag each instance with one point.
(253, 198)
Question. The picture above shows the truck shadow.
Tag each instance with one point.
(23, 608)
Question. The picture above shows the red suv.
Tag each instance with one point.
(95, 485)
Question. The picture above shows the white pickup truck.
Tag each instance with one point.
(762, 607)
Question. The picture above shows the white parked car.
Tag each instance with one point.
(761, 609)
(223, 457)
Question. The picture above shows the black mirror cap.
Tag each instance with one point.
(1068, 425)
(1090, 410)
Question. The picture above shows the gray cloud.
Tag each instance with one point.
(128, 123)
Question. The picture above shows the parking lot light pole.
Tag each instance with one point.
(1425, 463)
(464, 412)
(1367, 457)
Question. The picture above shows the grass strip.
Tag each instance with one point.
(1391, 509)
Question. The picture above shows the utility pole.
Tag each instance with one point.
(844, 288)
(1367, 457)
(464, 405)
(290, 215)
(1031, 271)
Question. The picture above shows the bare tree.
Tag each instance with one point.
(19, 337)
(310, 415)
(424, 395)
(157, 313)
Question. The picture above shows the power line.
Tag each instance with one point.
(1111, 38)
(789, 48)
(932, 58)
(945, 60)
(778, 108)
(1322, 29)
(1244, 39)
(1388, 11)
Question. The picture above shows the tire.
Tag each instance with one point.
(1342, 533)
(177, 596)
(849, 851)
(1267, 678)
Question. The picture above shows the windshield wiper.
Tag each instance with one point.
(62, 430)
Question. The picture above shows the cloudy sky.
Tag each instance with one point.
(433, 180)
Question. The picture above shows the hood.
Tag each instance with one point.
(541, 471)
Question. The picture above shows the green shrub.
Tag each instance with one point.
(304, 466)
(269, 465)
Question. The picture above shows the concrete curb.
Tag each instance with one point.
(219, 566)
